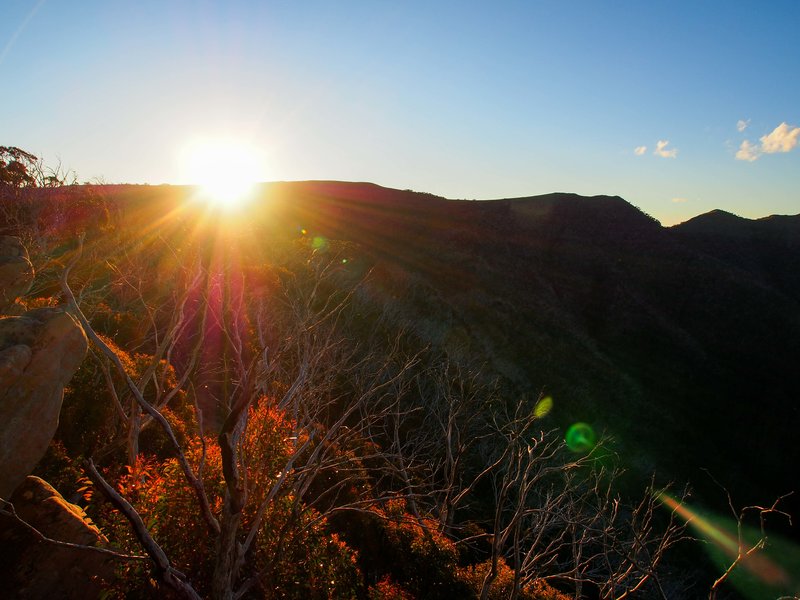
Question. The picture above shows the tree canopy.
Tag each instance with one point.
(17, 167)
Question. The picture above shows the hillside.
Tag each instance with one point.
(680, 342)
(655, 335)
(677, 344)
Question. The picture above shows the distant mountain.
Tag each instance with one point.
(768, 248)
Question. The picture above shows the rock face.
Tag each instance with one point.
(39, 353)
(32, 568)
(16, 271)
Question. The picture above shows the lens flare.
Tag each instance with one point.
(758, 574)
(580, 437)
(543, 407)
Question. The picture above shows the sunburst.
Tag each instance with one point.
(225, 171)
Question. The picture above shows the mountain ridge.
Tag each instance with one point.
(332, 184)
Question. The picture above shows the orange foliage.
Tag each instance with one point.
(298, 554)
(386, 589)
(503, 584)
(421, 536)
(411, 551)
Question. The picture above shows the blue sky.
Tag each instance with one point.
(463, 99)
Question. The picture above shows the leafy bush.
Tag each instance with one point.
(297, 554)
(411, 552)
(503, 585)
(386, 589)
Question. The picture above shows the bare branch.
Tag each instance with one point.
(196, 484)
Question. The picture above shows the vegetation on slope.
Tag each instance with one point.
(294, 415)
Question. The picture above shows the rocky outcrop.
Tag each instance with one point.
(38, 503)
(39, 353)
(16, 272)
(33, 568)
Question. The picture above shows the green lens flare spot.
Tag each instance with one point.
(319, 243)
(580, 437)
(543, 407)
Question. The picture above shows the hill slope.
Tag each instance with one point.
(680, 342)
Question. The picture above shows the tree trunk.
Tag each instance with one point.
(134, 425)
(226, 560)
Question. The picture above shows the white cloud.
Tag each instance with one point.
(782, 139)
(661, 150)
(748, 152)
(680, 200)
(741, 124)
(639, 150)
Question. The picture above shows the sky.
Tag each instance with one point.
(678, 107)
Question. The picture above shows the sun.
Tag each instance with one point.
(225, 171)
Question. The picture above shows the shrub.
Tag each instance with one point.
(297, 554)
(503, 585)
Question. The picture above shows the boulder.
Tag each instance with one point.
(16, 272)
(38, 503)
(33, 568)
(39, 353)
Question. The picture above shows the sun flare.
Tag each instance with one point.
(225, 171)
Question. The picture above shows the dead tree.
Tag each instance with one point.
(333, 391)
(553, 514)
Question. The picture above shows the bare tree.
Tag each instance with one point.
(177, 323)
(334, 392)
(441, 437)
(555, 515)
